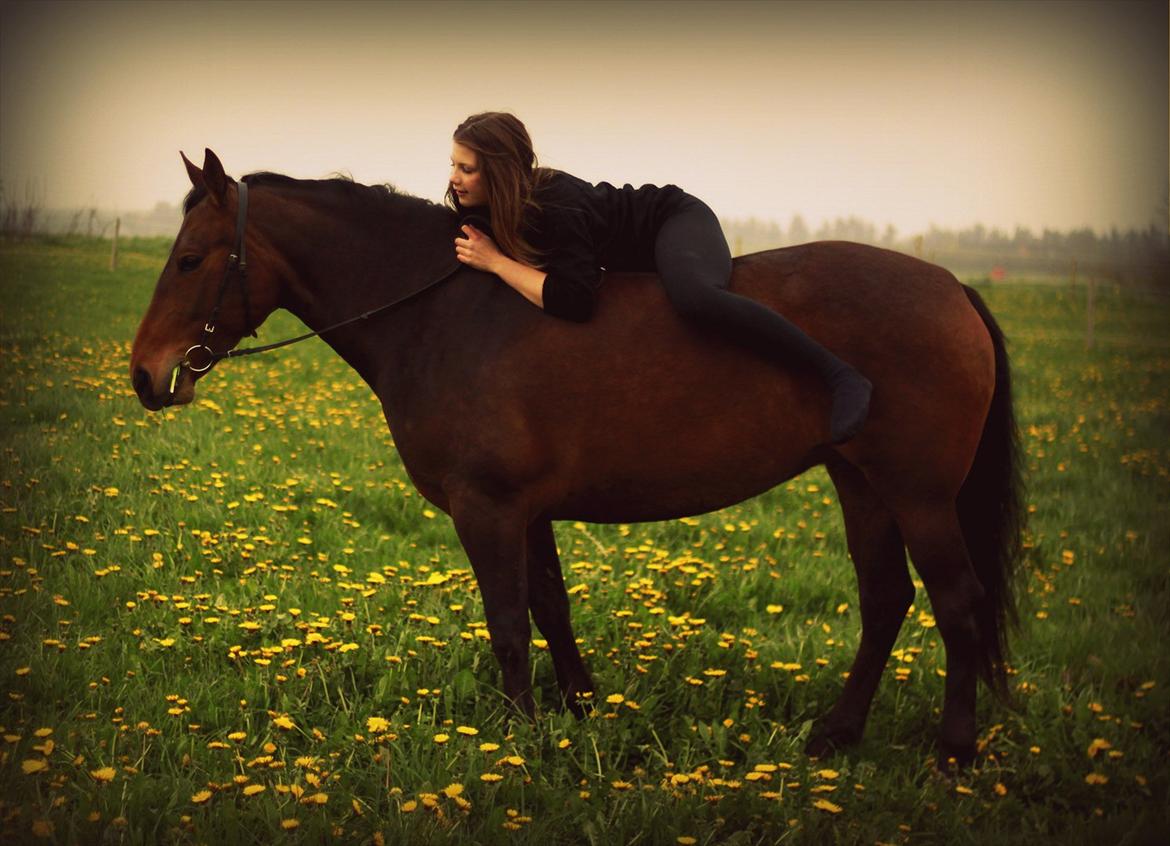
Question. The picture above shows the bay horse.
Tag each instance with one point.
(508, 419)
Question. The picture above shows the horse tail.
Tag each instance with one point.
(990, 506)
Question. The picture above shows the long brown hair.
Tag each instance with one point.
(510, 172)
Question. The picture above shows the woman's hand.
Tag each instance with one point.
(477, 250)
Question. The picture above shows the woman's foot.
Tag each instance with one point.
(851, 393)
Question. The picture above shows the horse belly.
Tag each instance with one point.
(692, 445)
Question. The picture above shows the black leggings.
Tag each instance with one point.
(694, 263)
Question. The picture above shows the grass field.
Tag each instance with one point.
(237, 622)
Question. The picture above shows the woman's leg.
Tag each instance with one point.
(695, 265)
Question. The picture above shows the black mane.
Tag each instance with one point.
(339, 187)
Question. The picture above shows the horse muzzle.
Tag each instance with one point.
(175, 386)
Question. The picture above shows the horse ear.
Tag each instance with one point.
(214, 177)
(194, 173)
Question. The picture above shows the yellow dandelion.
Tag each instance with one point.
(491, 777)
(1097, 745)
(1096, 778)
(408, 806)
(615, 699)
(826, 805)
(376, 725)
(237, 736)
(253, 789)
(452, 790)
(201, 797)
(284, 722)
(513, 761)
(43, 828)
(441, 738)
(488, 747)
(620, 785)
(467, 730)
(685, 840)
(288, 824)
(33, 765)
(564, 743)
(103, 774)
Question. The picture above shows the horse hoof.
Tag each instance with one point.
(824, 744)
(955, 757)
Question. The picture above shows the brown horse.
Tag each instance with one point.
(508, 419)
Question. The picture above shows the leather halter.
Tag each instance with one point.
(237, 260)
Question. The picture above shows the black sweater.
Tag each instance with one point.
(582, 229)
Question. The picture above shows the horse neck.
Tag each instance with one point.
(342, 260)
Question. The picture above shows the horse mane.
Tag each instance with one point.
(370, 198)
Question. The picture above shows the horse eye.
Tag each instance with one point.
(190, 262)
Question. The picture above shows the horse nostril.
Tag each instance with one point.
(142, 383)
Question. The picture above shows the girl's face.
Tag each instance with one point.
(466, 177)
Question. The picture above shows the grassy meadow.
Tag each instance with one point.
(237, 622)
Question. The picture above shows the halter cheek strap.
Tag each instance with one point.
(237, 260)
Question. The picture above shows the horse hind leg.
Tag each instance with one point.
(549, 603)
(886, 593)
(935, 541)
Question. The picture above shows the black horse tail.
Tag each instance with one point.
(990, 506)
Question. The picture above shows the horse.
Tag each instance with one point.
(508, 419)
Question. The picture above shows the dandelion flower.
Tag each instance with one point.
(103, 774)
(284, 722)
(253, 789)
(441, 738)
(467, 730)
(201, 797)
(289, 824)
(376, 725)
(826, 805)
(33, 765)
(491, 777)
(452, 790)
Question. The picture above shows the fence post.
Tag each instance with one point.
(1090, 309)
(114, 247)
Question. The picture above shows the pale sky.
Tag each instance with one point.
(947, 113)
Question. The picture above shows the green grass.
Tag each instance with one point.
(174, 585)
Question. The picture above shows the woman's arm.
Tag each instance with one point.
(480, 251)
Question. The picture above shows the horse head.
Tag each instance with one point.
(203, 303)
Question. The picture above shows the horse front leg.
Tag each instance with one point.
(550, 609)
(493, 536)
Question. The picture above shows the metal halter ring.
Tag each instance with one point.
(187, 358)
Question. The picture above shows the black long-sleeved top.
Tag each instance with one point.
(582, 229)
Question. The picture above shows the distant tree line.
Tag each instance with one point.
(1132, 256)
